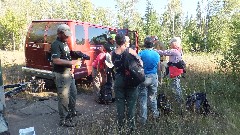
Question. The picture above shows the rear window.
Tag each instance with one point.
(39, 30)
(52, 31)
(36, 33)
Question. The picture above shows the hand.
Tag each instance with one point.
(77, 63)
(133, 52)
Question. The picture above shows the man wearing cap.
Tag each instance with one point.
(65, 83)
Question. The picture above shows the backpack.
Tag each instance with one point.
(105, 94)
(163, 104)
(197, 102)
(134, 72)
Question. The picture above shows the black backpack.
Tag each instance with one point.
(134, 72)
(197, 102)
(163, 104)
(105, 94)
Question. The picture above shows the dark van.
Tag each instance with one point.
(86, 37)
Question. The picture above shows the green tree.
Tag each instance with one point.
(190, 35)
(152, 21)
(232, 55)
(219, 32)
(126, 13)
(103, 16)
(13, 22)
(128, 17)
(172, 20)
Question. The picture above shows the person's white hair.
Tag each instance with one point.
(177, 40)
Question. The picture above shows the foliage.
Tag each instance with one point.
(152, 24)
(10, 35)
(232, 55)
(171, 20)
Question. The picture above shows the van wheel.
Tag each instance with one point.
(50, 85)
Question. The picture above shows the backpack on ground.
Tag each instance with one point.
(197, 102)
(163, 104)
(105, 94)
(134, 72)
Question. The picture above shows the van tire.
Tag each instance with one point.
(50, 85)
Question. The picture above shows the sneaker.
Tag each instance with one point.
(67, 123)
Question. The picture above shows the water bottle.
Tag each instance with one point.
(79, 65)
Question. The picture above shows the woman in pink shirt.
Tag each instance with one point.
(98, 72)
(175, 67)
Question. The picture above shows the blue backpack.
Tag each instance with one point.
(197, 102)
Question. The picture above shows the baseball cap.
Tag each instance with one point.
(65, 29)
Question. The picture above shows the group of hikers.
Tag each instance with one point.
(153, 58)
(108, 68)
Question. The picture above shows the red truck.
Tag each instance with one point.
(86, 37)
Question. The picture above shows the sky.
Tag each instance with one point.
(188, 6)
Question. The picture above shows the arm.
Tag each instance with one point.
(167, 52)
(133, 52)
(56, 53)
(159, 66)
(59, 61)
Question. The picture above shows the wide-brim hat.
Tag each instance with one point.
(108, 61)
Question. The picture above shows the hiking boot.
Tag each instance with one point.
(73, 114)
(67, 123)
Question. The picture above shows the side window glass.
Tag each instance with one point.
(37, 32)
(80, 39)
(97, 36)
(52, 31)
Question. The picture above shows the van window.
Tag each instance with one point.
(52, 31)
(80, 39)
(36, 33)
(97, 36)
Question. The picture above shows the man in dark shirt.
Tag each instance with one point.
(62, 65)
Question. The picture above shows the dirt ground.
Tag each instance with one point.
(42, 114)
